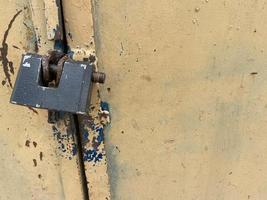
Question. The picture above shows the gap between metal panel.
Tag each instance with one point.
(75, 121)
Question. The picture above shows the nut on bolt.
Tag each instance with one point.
(98, 77)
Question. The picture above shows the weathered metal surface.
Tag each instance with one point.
(30, 149)
(187, 90)
(38, 25)
(80, 37)
(186, 85)
(53, 20)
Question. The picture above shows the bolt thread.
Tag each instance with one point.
(98, 77)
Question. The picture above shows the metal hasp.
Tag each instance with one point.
(72, 94)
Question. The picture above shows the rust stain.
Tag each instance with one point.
(7, 64)
(15, 47)
(34, 162)
(34, 144)
(254, 73)
(41, 156)
(27, 143)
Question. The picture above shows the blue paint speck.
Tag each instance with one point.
(104, 106)
(85, 137)
(92, 155)
(100, 137)
(74, 150)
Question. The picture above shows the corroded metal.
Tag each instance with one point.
(59, 68)
(98, 77)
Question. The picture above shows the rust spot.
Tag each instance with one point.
(254, 73)
(118, 149)
(92, 58)
(34, 162)
(41, 156)
(70, 36)
(34, 144)
(7, 64)
(27, 143)
(39, 176)
(14, 46)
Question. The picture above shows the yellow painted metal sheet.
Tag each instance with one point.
(32, 163)
(187, 89)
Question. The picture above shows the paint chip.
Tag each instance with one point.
(26, 57)
(83, 66)
(26, 65)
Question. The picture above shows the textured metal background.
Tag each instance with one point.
(187, 91)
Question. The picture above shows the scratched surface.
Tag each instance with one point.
(187, 90)
(37, 160)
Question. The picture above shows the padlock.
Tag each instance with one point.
(72, 94)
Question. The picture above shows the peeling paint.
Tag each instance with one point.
(93, 134)
(66, 145)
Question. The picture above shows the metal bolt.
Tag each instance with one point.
(98, 77)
